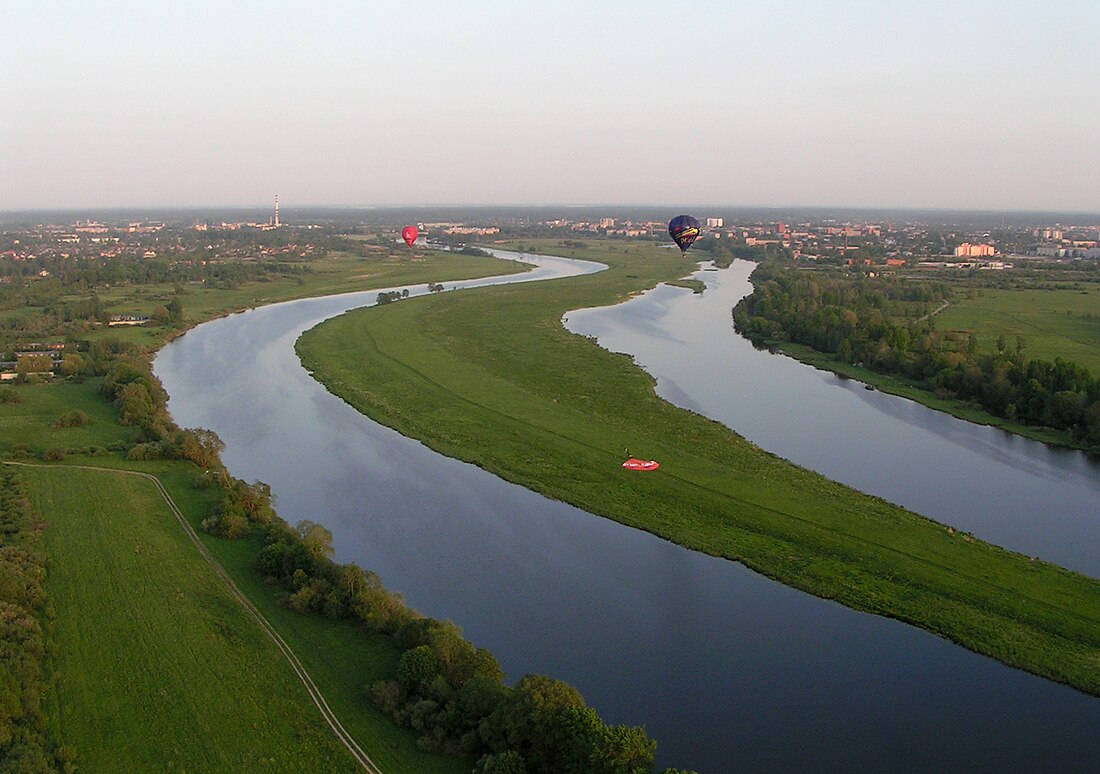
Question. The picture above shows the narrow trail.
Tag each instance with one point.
(314, 692)
(934, 312)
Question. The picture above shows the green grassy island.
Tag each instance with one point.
(491, 376)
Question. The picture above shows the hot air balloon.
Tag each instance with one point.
(409, 234)
(684, 230)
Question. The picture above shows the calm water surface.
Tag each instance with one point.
(1008, 490)
(729, 671)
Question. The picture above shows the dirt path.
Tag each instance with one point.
(934, 312)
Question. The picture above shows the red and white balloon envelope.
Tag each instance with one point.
(636, 464)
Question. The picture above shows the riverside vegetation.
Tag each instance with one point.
(112, 535)
(887, 325)
(491, 376)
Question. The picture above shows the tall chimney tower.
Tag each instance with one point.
(276, 223)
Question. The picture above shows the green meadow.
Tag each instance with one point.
(155, 666)
(29, 423)
(1061, 323)
(490, 376)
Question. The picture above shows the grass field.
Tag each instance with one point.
(30, 421)
(1061, 323)
(492, 377)
(156, 667)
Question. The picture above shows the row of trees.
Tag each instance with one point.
(23, 606)
(447, 690)
(886, 326)
(129, 383)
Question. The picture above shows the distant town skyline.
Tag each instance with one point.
(967, 105)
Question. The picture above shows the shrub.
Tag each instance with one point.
(74, 418)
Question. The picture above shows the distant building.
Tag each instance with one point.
(715, 222)
(967, 250)
(127, 319)
(477, 230)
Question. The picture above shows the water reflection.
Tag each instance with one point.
(1010, 491)
(728, 670)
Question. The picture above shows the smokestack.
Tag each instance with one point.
(276, 223)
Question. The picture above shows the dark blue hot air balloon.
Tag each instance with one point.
(684, 230)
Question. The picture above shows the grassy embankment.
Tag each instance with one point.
(1061, 323)
(156, 666)
(492, 377)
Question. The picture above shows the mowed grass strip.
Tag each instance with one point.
(492, 377)
(1061, 323)
(155, 666)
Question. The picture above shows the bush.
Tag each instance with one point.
(144, 451)
(8, 395)
(53, 454)
(74, 418)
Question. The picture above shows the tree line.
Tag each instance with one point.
(24, 746)
(886, 325)
(450, 692)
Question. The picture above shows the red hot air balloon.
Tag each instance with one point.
(409, 234)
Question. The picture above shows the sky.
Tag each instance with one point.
(943, 105)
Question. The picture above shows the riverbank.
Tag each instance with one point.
(903, 388)
(866, 330)
(131, 553)
(493, 378)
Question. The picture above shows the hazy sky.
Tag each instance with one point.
(985, 105)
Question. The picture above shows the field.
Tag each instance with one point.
(491, 376)
(156, 666)
(29, 422)
(1061, 323)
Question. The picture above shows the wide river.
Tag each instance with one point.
(729, 671)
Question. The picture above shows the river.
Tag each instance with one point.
(726, 669)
